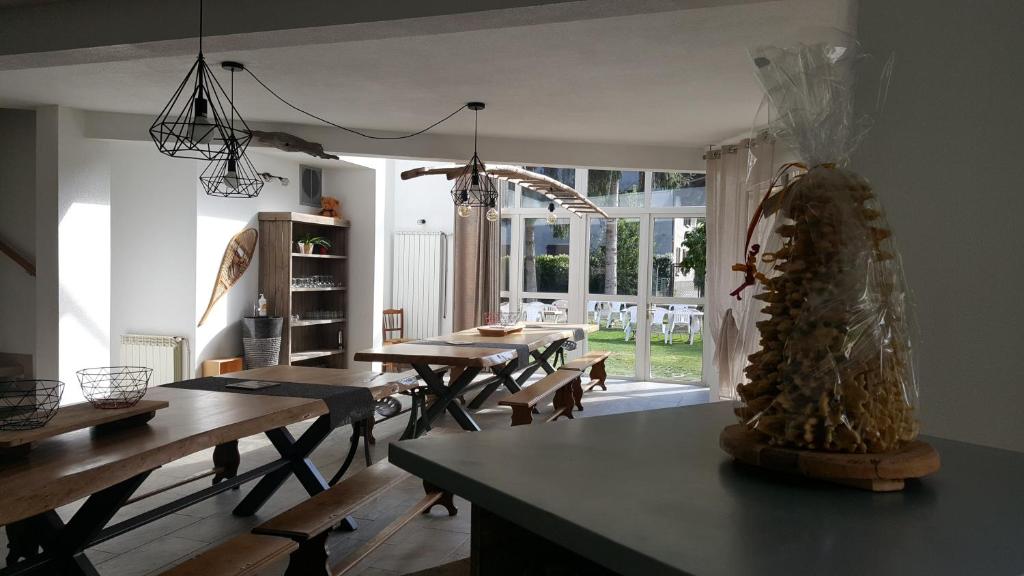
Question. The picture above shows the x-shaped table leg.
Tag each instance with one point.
(296, 452)
(446, 398)
(64, 544)
(514, 385)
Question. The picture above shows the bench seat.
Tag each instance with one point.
(558, 384)
(595, 362)
(243, 555)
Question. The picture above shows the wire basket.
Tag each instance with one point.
(28, 404)
(114, 386)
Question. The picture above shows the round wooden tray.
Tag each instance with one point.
(883, 472)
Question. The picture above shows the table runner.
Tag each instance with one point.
(577, 333)
(346, 404)
(522, 350)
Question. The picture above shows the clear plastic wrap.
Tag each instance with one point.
(834, 371)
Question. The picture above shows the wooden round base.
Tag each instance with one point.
(883, 472)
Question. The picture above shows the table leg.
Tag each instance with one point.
(514, 385)
(497, 545)
(446, 396)
(296, 452)
(63, 544)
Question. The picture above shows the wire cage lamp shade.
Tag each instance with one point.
(233, 176)
(196, 123)
(473, 189)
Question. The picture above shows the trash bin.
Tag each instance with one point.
(261, 341)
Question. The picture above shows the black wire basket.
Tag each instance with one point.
(28, 404)
(114, 386)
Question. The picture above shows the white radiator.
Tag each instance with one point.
(166, 355)
(419, 281)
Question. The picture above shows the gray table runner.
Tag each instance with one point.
(346, 404)
(522, 350)
(577, 333)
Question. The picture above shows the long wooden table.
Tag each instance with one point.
(107, 468)
(651, 493)
(468, 350)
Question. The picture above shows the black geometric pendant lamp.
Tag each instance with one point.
(232, 175)
(195, 123)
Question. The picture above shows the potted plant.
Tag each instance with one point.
(308, 241)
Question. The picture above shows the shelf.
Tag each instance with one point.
(335, 289)
(324, 256)
(307, 218)
(295, 323)
(311, 354)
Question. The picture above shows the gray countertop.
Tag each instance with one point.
(651, 493)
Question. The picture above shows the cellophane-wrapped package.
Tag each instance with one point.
(834, 371)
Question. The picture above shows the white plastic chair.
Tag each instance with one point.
(683, 316)
(533, 311)
(614, 311)
(628, 320)
(562, 310)
(593, 312)
(658, 319)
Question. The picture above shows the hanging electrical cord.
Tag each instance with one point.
(340, 127)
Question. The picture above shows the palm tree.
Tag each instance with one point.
(607, 182)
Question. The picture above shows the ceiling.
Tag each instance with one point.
(678, 77)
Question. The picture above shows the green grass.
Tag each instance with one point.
(678, 361)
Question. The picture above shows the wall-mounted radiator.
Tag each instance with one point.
(419, 281)
(166, 355)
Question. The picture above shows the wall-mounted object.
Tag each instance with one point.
(237, 256)
(267, 177)
(291, 143)
(168, 356)
(310, 186)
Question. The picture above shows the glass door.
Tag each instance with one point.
(613, 297)
(675, 310)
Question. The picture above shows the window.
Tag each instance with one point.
(505, 249)
(678, 189)
(678, 257)
(533, 199)
(614, 256)
(615, 188)
(545, 255)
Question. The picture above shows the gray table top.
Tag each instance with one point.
(651, 493)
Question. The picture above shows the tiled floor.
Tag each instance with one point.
(427, 541)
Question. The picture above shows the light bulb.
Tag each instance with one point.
(465, 210)
(230, 177)
(492, 214)
(552, 219)
(202, 128)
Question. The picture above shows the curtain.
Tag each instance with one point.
(737, 178)
(475, 290)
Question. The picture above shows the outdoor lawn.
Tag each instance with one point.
(678, 361)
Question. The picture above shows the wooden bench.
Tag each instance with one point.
(243, 555)
(309, 523)
(559, 385)
(595, 361)
(300, 533)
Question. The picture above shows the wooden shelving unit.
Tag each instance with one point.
(311, 342)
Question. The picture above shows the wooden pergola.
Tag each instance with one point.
(565, 196)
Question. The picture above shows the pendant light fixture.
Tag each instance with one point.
(552, 218)
(194, 124)
(472, 186)
(232, 175)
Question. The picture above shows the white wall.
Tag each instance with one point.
(17, 229)
(363, 201)
(152, 244)
(83, 251)
(944, 157)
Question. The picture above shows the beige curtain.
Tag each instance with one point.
(475, 290)
(737, 177)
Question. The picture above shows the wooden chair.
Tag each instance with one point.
(394, 325)
(394, 333)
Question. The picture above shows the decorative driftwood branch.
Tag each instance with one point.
(565, 196)
(291, 143)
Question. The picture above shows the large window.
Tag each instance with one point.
(615, 188)
(505, 249)
(678, 189)
(545, 255)
(614, 251)
(532, 199)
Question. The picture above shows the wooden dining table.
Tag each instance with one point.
(106, 468)
(468, 353)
